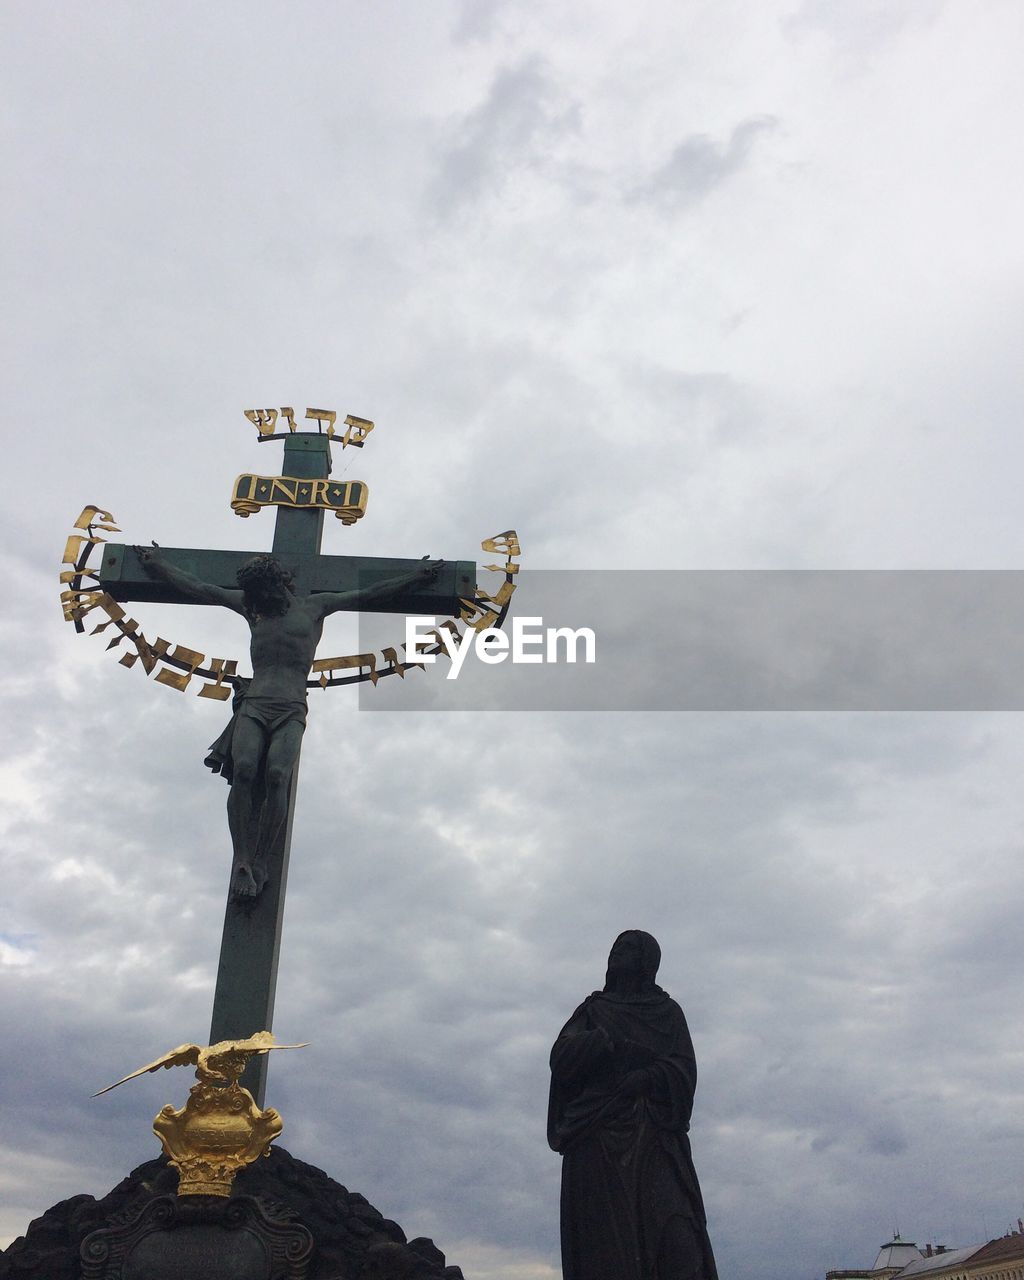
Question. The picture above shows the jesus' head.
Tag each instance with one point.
(267, 586)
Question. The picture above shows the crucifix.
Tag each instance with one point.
(284, 596)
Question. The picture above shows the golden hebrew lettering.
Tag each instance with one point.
(323, 415)
(348, 501)
(77, 603)
(262, 419)
(265, 420)
(219, 691)
(148, 654)
(114, 614)
(78, 600)
(449, 625)
(87, 520)
(358, 430)
(74, 594)
(504, 594)
(507, 542)
(474, 612)
(222, 669)
(180, 680)
(399, 667)
(409, 666)
(128, 630)
(360, 660)
(173, 679)
(486, 620)
(73, 548)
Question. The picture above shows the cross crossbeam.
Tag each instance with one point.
(123, 576)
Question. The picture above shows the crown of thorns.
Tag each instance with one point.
(264, 570)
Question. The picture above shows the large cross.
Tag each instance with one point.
(247, 972)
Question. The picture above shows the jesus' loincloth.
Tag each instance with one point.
(271, 713)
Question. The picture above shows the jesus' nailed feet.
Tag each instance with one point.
(247, 881)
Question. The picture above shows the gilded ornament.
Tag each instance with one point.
(220, 1129)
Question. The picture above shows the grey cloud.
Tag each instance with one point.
(863, 31)
(713, 408)
(886, 1140)
(745, 640)
(455, 884)
(521, 115)
(477, 19)
(698, 165)
(448, 908)
(836, 895)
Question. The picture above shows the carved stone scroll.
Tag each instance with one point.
(238, 1239)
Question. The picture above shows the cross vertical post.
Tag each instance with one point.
(300, 531)
(243, 1001)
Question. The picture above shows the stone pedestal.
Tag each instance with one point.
(285, 1220)
(178, 1237)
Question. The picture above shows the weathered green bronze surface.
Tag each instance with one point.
(247, 973)
(123, 576)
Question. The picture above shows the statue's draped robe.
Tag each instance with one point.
(631, 1203)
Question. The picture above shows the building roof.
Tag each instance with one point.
(897, 1253)
(939, 1261)
(1004, 1249)
(904, 1257)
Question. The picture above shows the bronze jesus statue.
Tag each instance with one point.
(258, 750)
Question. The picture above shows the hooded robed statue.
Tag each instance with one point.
(623, 1076)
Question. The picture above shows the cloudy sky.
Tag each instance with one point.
(672, 286)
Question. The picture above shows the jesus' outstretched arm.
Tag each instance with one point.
(191, 587)
(327, 602)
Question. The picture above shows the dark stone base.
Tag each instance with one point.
(351, 1240)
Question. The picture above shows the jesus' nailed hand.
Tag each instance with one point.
(259, 748)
